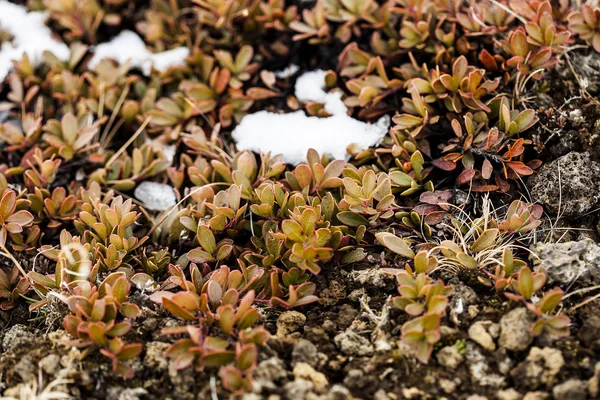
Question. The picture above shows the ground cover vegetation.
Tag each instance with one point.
(414, 250)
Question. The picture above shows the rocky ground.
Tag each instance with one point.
(347, 346)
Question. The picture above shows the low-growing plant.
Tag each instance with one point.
(422, 298)
(465, 80)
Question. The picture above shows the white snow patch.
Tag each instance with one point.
(30, 35)
(293, 134)
(287, 71)
(128, 46)
(169, 151)
(156, 196)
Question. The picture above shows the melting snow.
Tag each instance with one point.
(128, 46)
(287, 71)
(156, 196)
(30, 35)
(293, 134)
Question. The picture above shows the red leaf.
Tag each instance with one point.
(466, 176)
(444, 165)
(485, 188)
(486, 169)
(520, 168)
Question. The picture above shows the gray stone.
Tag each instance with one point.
(449, 357)
(269, 372)
(463, 297)
(573, 191)
(305, 371)
(16, 335)
(118, 393)
(352, 344)
(569, 261)
(539, 395)
(573, 389)
(370, 277)
(480, 370)
(290, 321)
(26, 369)
(305, 351)
(50, 364)
(297, 389)
(508, 394)
(447, 385)
(514, 329)
(589, 333)
(479, 334)
(539, 369)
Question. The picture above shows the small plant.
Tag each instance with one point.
(522, 286)
(71, 135)
(215, 302)
(12, 286)
(586, 23)
(12, 221)
(422, 298)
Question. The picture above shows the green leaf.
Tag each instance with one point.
(550, 300)
(466, 260)
(487, 239)
(198, 255)
(206, 239)
(401, 179)
(43, 280)
(353, 256)
(218, 358)
(96, 332)
(232, 378)
(177, 310)
(525, 282)
(292, 230)
(417, 162)
(226, 318)
(247, 357)
(130, 351)
(350, 218)
(395, 244)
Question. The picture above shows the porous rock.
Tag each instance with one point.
(269, 373)
(538, 395)
(305, 371)
(573, 389)
(353, 344)
(569, 261)
(305, 351)
(480, 370)
(508, 394)
(15, 336)
(155, 356)
(463, 297)
(568, 184)
(449, 357)
(540, 368)
(290, 321)
(50, 363)
(479, 334)
(594, 382)
(514, 329)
